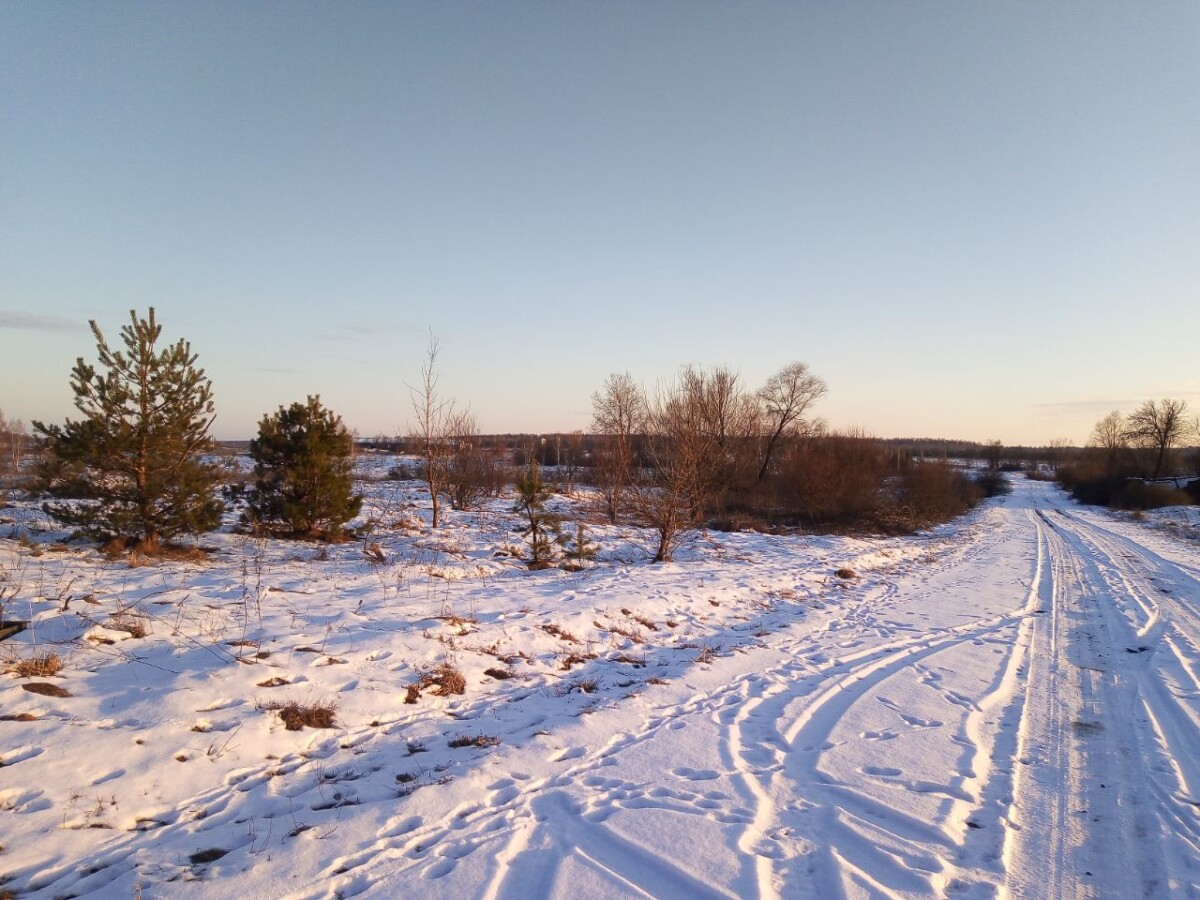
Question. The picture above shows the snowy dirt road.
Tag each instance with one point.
(1008, 708)
(1018, 717)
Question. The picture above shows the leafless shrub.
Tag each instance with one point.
(472, 474)
(833, 478)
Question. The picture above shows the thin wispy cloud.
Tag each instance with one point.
(358, 332)
(22, 321)
(1067, 407)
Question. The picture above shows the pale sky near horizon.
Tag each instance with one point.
(974, 221)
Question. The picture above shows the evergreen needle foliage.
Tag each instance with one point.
(579, 549)
(137, 449)
(305, 480)
(532, 496)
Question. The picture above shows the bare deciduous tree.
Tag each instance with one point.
(618, 413)
(1159, 427)
(785, 399)
(432, 432)
(12, 443)
(725, 420)
(473, 474)
(993, 452)
(1056, 452)
(1110, 435)
(670, 495)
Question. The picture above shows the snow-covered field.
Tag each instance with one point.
(1006, 706)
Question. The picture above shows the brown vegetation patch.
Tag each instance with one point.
(273, 682)
(134, 626)
(572, 659)
(445, 679)
(46, 689)
(478, 740)
(632, 633)
(295, 716)
(583, 686)
(138, 552)
(559, 632)
(498, 674)
(846, 573)
(19, 717)
(41, 666)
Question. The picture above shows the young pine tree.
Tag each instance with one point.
(532, 495)
(579, 549)
(305, 482)
(137, 449)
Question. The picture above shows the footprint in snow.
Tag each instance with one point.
(401, 826)
(918, 722)
(571, 753)
(440, 869)
(878, 735)
(881, 771)
(695, 774)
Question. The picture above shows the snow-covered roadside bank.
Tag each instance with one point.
(741, 723)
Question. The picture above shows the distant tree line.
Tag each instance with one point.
(1129, 456)
(702, 449)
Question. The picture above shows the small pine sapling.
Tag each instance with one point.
(579, 550)
(532, 496)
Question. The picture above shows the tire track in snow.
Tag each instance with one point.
(1126, 767)
(1103, 800)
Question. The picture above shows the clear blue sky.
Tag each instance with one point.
(973, 220)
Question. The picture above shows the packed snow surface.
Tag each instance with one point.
(1008, 705)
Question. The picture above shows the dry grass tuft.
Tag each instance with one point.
(708, 654)
(273, 682)
(445, 679)
(478, 740)
(43, 666)
(296, 716)
(632, 633)
(498, 674)
(583, 686)
(134, 626)
(630, 660)
(572, 659)
(846, 573)
(560, 632)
